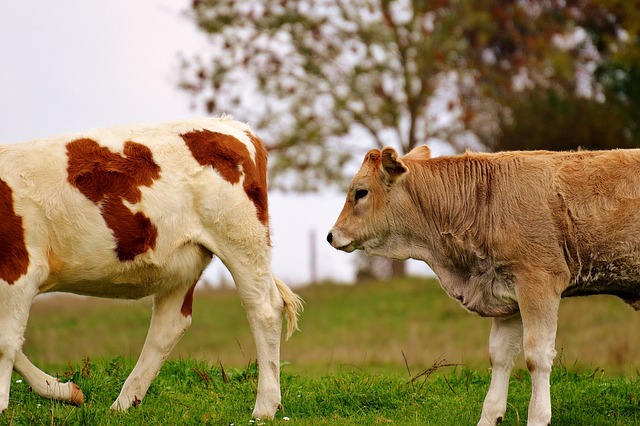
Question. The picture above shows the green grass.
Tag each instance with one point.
(195, 392)
(350, 364)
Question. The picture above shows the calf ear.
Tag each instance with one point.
(392, 166)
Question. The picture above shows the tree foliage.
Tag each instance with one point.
(327, 80)
(600, 107)
(545, 120)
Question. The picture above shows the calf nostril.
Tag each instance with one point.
(329, 238)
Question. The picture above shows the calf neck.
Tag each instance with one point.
(508, 235)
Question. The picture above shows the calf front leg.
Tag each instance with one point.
(170, 319)
(539, 310)
(7, 354)
(504, 346)
(15, 301)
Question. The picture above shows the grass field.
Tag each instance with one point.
(368, 325)
(351, 363)
(189, 392)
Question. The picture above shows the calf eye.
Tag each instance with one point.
(361, 193)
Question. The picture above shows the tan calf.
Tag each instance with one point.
(508, 235)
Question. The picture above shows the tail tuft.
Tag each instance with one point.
(293, 306)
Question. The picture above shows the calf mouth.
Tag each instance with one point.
(349, 247)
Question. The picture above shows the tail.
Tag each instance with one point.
(292, 306)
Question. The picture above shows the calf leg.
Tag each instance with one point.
(15, 301)
(504, 346)
(45, 385)
(242, 243)
(539, 319)
(170, 319)
(264, 306)
(7, 355)
(6, 365)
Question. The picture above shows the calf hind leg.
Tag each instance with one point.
(170, 319)
(45, 385)
(264, 307)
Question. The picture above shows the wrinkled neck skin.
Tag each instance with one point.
(440, 225)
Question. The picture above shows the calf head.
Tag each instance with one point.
(373, 214)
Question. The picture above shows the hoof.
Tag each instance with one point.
(77, 397)
(266, 413)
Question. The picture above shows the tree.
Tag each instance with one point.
(539, 119)
(599, 108)
(327, 80)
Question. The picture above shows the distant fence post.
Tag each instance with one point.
(313, 257)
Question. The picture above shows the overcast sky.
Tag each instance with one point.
(72, 65)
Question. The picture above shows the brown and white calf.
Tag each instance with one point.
(508, 235)
(131, 212)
